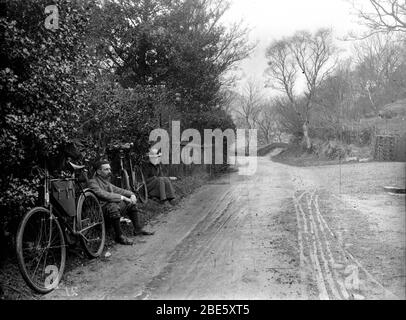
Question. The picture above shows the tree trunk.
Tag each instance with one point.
(306, 135)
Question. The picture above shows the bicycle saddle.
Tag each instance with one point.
(75, 166)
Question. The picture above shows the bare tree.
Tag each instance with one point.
(248, 106)
(378, 63)
(268, 123)
(228, 99)
(383, 15)
(282, 68)
(312, 55)
(289, 115)
(335, 99)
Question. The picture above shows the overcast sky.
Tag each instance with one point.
(273, 19)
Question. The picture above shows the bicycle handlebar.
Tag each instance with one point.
(125, 146)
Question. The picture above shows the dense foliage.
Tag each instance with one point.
(110, 73)
(42, 90)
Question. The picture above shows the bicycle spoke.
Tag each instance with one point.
(56, 237)
(40, 232)
(45, 264)
(49, 243)
(38, 244)
(35, 271)
(92, 226)
(35, 259)
(45, 242)
(45, 250)
(47, 246)
(40, 249)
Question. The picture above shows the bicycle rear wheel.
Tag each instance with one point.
(90, 224)
(140, 185)
(41, 251)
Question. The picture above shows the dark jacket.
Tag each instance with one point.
(151, 171)
(106, 191)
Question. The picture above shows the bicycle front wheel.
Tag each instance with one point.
(41, 251)
(90, 224)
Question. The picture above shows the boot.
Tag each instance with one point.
(172, 202)
(137, 228)
(119, 234)
(124, 240)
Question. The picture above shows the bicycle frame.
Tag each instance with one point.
(62, 217)
(132, 173)
(52, 220)
(127, 178)
(126, 184)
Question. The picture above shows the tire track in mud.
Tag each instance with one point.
(315, 249)
(325, 232)
(336, 272)
(309, 248)
(324, 274)
(195, 249)
(206, 212)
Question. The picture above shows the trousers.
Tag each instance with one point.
(161, 187)
(114, 211)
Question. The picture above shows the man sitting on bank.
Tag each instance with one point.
(115, 202)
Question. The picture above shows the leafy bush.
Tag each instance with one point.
(42, 89)
(69, 85)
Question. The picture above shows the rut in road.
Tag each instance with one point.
(335, 271)
(191, 254)
(237, 251)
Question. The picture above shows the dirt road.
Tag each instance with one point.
(283, 233)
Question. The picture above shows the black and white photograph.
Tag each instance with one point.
(229, 151)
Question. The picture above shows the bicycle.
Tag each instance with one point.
(135, 181)
(65, 216)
